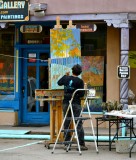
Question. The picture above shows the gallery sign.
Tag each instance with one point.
(14, 10)
(123, 72)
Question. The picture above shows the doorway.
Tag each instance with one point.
(35, 76)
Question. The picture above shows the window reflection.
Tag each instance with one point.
(7, 64)
(44, 85)
(31, 86)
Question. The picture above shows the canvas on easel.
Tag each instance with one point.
(65, 52)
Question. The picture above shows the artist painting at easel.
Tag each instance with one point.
(72, 83)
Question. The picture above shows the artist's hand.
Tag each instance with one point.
(67, 73)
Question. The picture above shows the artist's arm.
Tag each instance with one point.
(61, 80)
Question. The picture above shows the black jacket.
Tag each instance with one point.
(72, 83)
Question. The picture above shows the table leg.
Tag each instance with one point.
(131, 149)
(109, 135)
(97, 131)
(118, 127)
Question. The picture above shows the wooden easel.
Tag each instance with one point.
(54, 97)
(58, 26)
(70, 26)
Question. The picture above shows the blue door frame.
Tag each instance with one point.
(35, 65)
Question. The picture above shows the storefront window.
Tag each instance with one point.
(42, 37)
(7, 64)
(93, 52)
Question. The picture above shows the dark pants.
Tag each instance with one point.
(80, 130)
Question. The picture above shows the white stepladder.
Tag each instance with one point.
(75, 124)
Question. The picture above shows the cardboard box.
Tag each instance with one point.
(123, 146)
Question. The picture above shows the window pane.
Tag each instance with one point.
(43, 85)
(93, 50)
(31, 103)
(6, 65)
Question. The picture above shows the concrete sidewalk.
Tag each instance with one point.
(37, 150)
(24, 149)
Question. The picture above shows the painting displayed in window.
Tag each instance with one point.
(6, 65)
(6, 76)
(93, 76)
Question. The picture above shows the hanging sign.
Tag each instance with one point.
(123, 72)
(32, 57)
(87, 27)
(31, 28)
(14, 10)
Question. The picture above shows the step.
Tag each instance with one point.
(68, 130)
(67, 142)
(78, 118)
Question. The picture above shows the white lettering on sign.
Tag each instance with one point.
(123, 72)
(32, 55)
(11, 17)
(12, 4)
(123, 76)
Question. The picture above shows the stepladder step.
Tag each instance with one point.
(68, 130)
(78, 118)
(68, 142)
(74, 124)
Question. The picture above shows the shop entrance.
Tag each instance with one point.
(35, 76)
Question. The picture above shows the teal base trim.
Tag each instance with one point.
(27, 136)
(14, 132)
(106, 138)
(47, 137)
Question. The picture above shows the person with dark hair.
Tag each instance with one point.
(72, 83)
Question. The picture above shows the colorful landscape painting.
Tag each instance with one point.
(59, 67)
(65, 43)
(93, 70)
(65, 52)
(93, 76)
